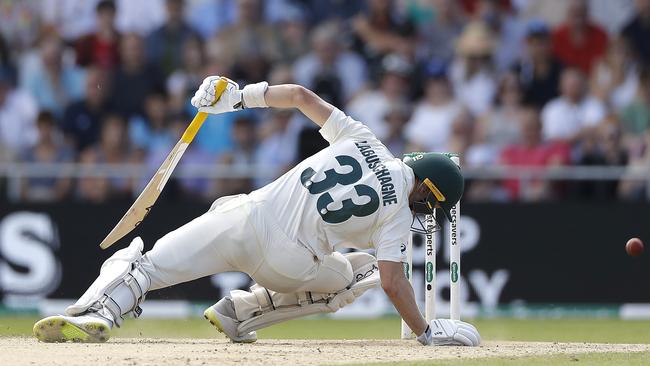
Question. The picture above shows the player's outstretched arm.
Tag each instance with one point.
(260, 95)
(296, 96)
(401, 294)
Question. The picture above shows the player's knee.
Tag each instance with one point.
(340, 267)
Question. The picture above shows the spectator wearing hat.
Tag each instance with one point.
(637, 31)
(567, 116)
(472, 72)
(371, 106)
(18, 111)
(579, 42)
(429, 128)
(100, 48)
(538, 70)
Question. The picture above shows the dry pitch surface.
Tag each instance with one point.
(128, 351)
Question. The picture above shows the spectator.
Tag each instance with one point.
(615, 79)
(533, 152)
(50, 79)
(165, 44)
(397, 116)
(277, 148)
(100, 48)
(578, 42)
(507, 27)
(18, 112)
(500, 126)
(472, 72)
(538, 70)
(293, 35)
(380, 31)
(49, 149)
(242, 156)
(637, 31)
(601, 147)
(134, 79)
(370, 107)
(430, 125)
(113, 148)
(149, 132)
(182, 81)
(566, 117)
(636, 115)
(91, 188)
(249, 32)
(82, 119)
(329, 70)
(630, 187)
(438, 36)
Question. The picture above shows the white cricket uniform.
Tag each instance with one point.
(353, 193)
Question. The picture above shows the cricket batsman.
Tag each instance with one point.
(352, 194)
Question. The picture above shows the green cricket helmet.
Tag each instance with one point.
(443, 178)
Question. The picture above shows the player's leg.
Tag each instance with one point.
(244, 312)
(217, 241)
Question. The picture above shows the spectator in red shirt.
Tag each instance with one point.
(579, 42)
(533, 152)
(102, 47)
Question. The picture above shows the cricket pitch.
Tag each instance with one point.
(132, 351)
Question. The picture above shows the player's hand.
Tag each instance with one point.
(447, 332)
(206, 100)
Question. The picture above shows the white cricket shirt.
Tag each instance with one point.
(353, 193)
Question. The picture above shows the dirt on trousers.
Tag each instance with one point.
(128, 351)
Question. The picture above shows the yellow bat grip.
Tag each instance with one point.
(200, 117)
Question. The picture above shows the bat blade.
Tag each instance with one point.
(145, 201)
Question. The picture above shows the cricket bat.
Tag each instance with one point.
(145, 201)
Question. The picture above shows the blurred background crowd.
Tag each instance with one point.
(540, 83)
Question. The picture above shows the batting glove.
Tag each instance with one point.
(206, 100)
(232, 99)
(447, 332)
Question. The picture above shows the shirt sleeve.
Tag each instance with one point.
(340, 126)
(390, 239)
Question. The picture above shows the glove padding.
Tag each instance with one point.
(205, 98)
(447, 332)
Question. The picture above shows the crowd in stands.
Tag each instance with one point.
(539, 83)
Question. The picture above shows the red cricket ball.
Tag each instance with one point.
(634, 247)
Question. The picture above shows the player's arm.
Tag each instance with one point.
(260, 95)
(296, 96)
(401, 294)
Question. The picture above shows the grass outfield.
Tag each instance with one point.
(554, 330)
(547, 330)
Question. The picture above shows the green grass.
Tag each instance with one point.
(550, 330)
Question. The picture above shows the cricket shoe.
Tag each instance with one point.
(82, 329)
(222, 316)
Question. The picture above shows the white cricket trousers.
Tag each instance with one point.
(236, 234)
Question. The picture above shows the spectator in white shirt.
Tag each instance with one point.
(371, 106)
(430, 126)
(18, 112)
(565, 117)
(472, 72)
